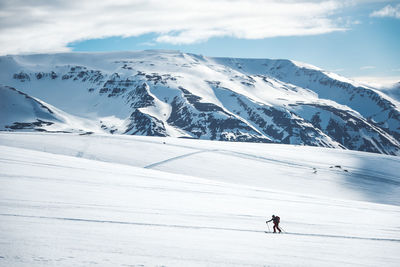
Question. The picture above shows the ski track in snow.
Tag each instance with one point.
(176, 158)
(286, 163)
(197, 227)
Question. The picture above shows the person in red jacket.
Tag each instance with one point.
(276, 220)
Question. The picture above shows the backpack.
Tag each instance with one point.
(277, 219)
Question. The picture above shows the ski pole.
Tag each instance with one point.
(283, 230)
(268, 227)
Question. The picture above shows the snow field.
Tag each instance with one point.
(70, 200)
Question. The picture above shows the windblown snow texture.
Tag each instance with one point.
(168, 93)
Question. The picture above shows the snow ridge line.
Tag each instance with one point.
(197, 227)
(178, 157)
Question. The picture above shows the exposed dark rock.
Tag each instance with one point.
(144, 124)
(209, 122)
(345, 128)
(28, 125)
(22, 76)
(140, 97)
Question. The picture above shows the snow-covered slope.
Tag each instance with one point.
(284, 167)
(18, 111)
(168, 93)
(112, 200)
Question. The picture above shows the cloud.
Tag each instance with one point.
(377, 81)
(367, 67)
(388, 11)
(50, 25)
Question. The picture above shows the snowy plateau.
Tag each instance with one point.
(123, 159)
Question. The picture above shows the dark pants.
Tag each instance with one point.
(276, 226)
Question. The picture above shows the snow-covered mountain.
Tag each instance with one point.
(168, 93)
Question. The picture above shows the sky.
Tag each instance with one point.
(359, 39)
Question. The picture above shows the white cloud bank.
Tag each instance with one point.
(50, 25)
(388, 11)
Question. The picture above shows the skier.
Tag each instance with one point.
(276, 221)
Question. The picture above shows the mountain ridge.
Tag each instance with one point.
(169, 93)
